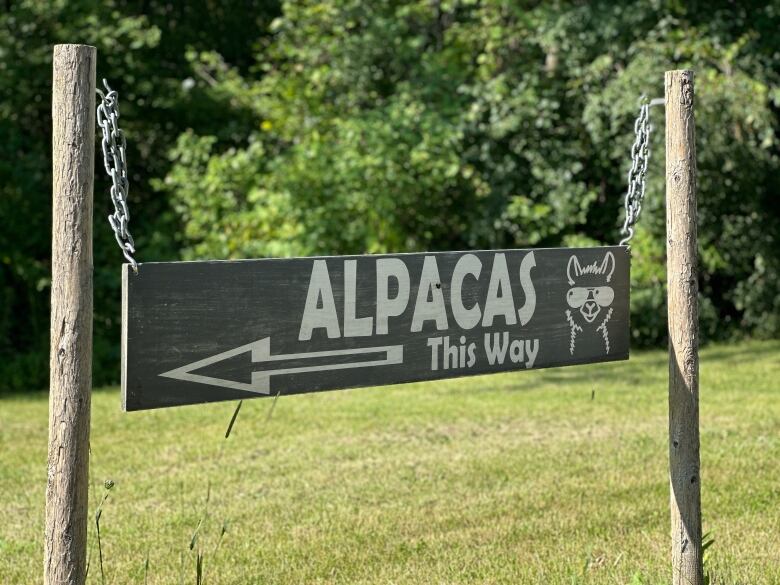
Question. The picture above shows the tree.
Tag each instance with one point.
(396, 126)
(142, 50)
(352, 126)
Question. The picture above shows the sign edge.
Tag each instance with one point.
(123, 339)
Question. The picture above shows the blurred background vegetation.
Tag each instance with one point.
(345, 126)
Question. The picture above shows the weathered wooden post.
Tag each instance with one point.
(73, 165)
(682, 274)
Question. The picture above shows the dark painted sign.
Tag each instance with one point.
(197, 332)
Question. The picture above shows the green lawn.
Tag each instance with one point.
(514, 478)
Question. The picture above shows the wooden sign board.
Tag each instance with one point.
(196, 332)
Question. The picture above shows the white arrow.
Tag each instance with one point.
(261, 352)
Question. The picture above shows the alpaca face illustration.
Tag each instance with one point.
(590, 300)
(589, 297)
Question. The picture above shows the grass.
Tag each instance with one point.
(556, 476)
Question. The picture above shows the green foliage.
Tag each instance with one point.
(142, 50)
(389, 126)
(352, 126)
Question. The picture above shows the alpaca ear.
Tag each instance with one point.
(573, 269)
(608, 265)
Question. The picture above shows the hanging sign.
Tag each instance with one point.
(196, 332)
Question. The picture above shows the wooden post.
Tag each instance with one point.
(73, 165)
(682, 275)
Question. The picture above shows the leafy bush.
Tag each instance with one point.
(353, 126)
(390, 126)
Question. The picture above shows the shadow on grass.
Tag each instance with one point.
(652, 365)
(629, 373)
(43, 393)
(744, 352)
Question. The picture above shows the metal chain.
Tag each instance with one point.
(115, 163)
(640, 156)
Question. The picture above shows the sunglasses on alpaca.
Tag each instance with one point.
(579, 295)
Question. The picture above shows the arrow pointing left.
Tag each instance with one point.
(261, 352)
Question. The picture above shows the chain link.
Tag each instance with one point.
(115, 163)
(637, 174)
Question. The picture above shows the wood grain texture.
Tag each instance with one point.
(73, 163)
(682, 274)
(237, 328)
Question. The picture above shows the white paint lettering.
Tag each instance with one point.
(496, 352)
(527, 310)
(315, 317)
(433, 310)
(353, 326)
(434, 343)
(385, 306)
(465, 318)
(499, 301)
(472, 349)
(531, 350)
(516, 351)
